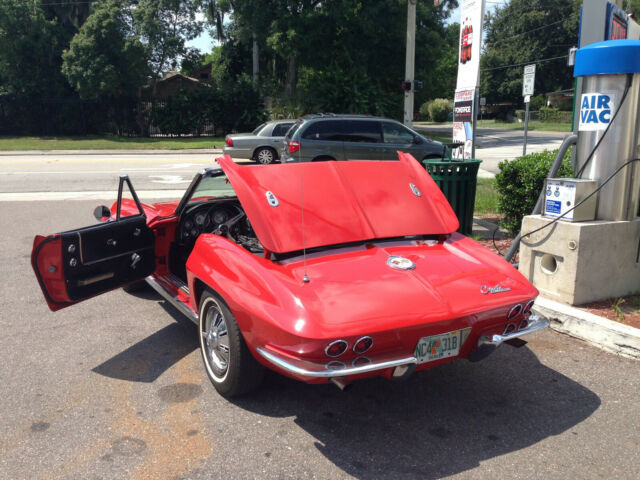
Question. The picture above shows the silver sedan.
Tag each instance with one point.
(262, 145)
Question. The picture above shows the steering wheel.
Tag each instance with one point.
(224, 229)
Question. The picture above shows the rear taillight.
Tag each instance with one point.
(337, 348)
(362, 345)
(229, 142)
(294, 146)
(514, 312)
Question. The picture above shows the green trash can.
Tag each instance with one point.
(457, 180)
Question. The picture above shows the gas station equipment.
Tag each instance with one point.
(582, 261)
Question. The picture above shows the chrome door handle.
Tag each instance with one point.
(135, 258)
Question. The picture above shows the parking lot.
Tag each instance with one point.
(114, 387)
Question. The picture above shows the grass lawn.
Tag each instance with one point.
(486, 197)
(440, 137)
(107, 142)
(533, 125)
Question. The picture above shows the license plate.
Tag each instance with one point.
(440, 346)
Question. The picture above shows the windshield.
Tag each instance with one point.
(212, 187)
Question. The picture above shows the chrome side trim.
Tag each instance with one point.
(176, 302)
(536, 322)
(323, 372)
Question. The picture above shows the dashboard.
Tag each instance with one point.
(225, 218)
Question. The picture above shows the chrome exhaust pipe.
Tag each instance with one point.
(340, 383)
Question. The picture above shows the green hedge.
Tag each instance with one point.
(439, 109)
(520, 182)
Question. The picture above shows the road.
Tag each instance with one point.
(495, 145)
(114, 388)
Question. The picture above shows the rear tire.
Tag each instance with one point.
(228, 362)
(266, 155)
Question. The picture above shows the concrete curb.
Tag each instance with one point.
(608, 335)
(186, 151)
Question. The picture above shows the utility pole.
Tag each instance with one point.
(410, 60)
(255, 61)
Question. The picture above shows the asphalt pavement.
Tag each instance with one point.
(496, 145)
(114, 387)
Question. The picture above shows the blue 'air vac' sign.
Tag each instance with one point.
(596, 110)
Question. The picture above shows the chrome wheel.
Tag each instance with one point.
(214, 340)
(229, 364)
(265, 156)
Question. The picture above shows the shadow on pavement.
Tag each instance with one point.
(437, 423)
(146, 360)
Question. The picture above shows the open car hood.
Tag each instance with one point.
(343, 201)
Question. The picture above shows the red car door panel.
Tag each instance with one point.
(79, 264)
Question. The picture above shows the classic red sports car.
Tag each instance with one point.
(328, 271)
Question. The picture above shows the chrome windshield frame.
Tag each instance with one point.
(206, 172)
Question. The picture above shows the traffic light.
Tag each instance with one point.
(417, 85)
(406, 86)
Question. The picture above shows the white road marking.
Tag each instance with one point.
(144, 195)
(170, 179)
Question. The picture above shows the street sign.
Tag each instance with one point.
(528, 80)
(527, 98)
(483, 101)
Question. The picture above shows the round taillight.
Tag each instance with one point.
(509, 329)
(514, 312)
(229, 142)
(523, 324)
(337, 348)
(335, 365)
(361, 361)
(528, 306)
(362, 345)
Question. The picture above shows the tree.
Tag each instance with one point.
(335, 55)
(528, 31)
(104, 58)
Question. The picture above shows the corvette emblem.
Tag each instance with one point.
(400, 263)
(497, 289)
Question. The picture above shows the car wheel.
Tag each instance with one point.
(266, 155)
(227, 359)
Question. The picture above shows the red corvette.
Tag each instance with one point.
(329, 271)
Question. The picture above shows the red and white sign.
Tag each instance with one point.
(471, 13)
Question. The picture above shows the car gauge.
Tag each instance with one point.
(201, 219)
(219, 216)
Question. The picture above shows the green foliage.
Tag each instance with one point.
(526, 31)
(550, 115)
(423, 111)
(104, 59)
(537, 102)
(336, 56)
(164, 27)
(231, 107)
(439, 109)
(520, 182)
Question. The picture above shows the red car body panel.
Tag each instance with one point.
(47, 264)
(343, 202)
(363, 213)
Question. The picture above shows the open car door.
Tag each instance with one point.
(79, 264)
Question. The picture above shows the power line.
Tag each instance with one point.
(523, 63)
(498, 42)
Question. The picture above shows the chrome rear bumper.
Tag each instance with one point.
(401, 365)
(314, 370)
(536, 322)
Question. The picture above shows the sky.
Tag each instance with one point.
(205, 42)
